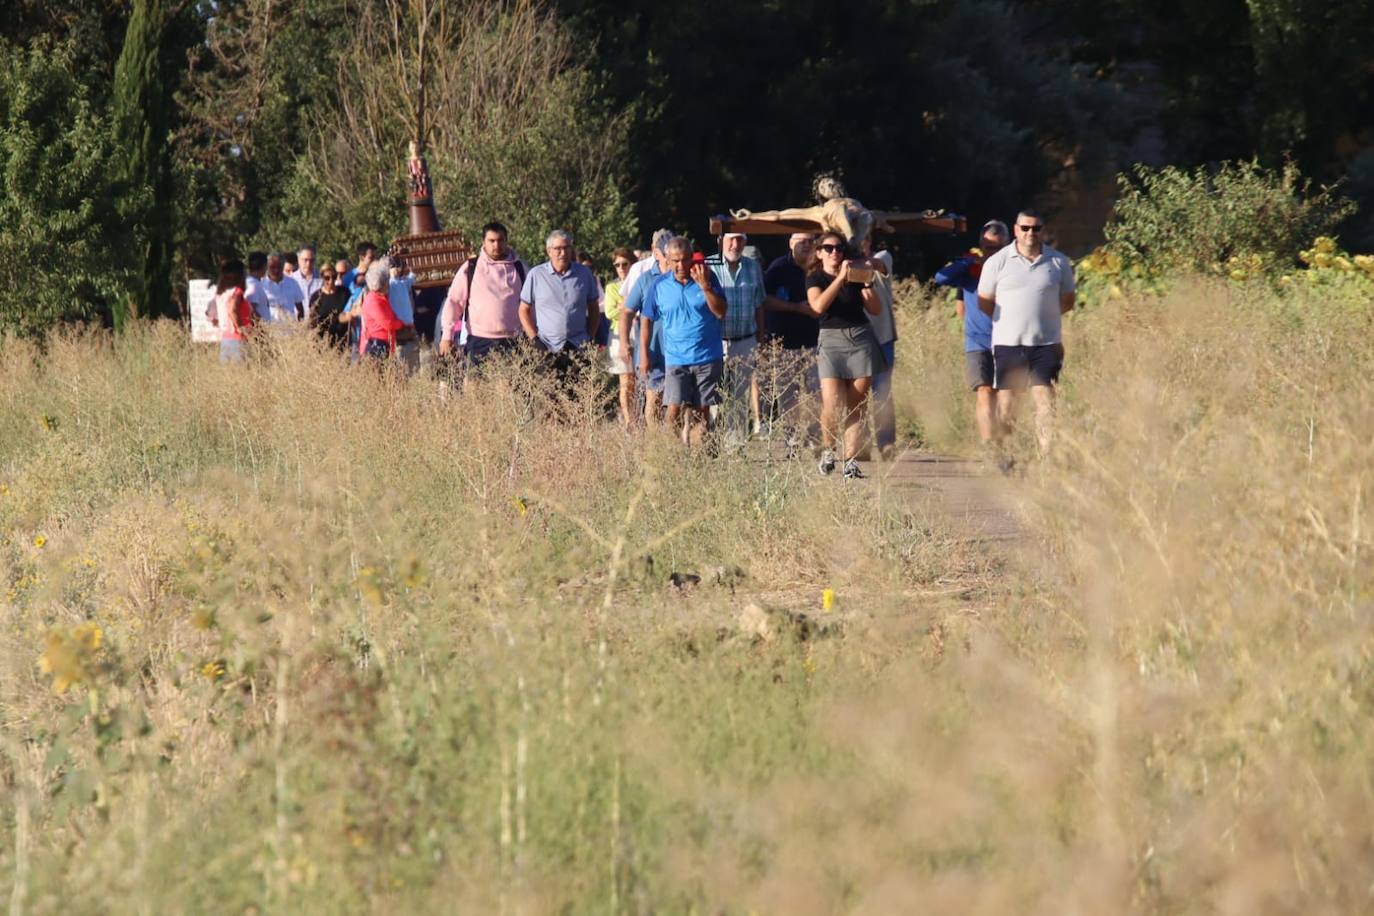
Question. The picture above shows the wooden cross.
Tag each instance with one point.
(925, 222)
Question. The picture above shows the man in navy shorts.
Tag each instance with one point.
(1026, 288)
(687, 304)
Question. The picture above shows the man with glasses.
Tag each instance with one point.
(560, 304)
(963, 274)
(1025, 288)
(306, 278)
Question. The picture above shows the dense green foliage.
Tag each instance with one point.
(1172, 219)
(62, 246)
(267, 123)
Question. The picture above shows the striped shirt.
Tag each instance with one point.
(743, 289)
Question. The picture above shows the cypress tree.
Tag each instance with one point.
(142, 116)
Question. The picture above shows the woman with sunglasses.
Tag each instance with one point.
(841, 296)
(621, 364)
(327, 310)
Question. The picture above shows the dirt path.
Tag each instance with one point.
(972, 494)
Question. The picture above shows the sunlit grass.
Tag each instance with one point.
(294, 637)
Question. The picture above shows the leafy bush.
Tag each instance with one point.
(1173, 219)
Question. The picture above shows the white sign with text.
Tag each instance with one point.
(199, 294)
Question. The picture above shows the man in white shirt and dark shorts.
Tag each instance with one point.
(1026, 288)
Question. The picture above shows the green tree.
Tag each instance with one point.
(142, 114)
(515, 130)
(61, 236)
(259, 89)
(958, 104)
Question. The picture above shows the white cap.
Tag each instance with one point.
(735, 235)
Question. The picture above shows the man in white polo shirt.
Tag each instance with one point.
(1026, 288)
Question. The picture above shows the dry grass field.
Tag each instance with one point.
(289, 637)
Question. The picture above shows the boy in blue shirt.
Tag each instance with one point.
(687, 304)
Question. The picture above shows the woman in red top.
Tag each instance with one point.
(233, 312)
(380, 324)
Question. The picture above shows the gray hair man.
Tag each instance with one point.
(307, 277)
(1026, 288)
(283, 293)
(741, 280)
(637, 284)
(687, 305)
(560, 304)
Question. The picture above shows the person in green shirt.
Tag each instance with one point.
(622, 259)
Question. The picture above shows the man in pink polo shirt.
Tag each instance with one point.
(484, 299)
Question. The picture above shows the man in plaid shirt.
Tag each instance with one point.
(741, 279)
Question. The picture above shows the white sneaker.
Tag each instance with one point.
(852, 470)
(827, 464)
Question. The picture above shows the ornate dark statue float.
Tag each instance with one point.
(433, 253)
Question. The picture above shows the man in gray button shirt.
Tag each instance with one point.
(1026, 287)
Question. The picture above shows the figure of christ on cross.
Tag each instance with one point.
(836, 213)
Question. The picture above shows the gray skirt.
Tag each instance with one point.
(849, 353)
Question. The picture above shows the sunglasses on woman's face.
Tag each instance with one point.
(620, 264)
(831, 249)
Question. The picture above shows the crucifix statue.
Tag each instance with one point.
(837, 212)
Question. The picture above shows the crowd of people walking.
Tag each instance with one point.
(718, 347)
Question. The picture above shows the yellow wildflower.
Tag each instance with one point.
(40, 541)
(89, 635)
(369, 584)
(212, 671)
(1324, 245)
(520, 505)
(67, 655)
(828, 600)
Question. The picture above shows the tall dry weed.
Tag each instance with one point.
(331, 642)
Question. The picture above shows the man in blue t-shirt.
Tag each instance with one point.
(687, 305)
(963, 274)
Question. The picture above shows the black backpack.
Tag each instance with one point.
(471, 270)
